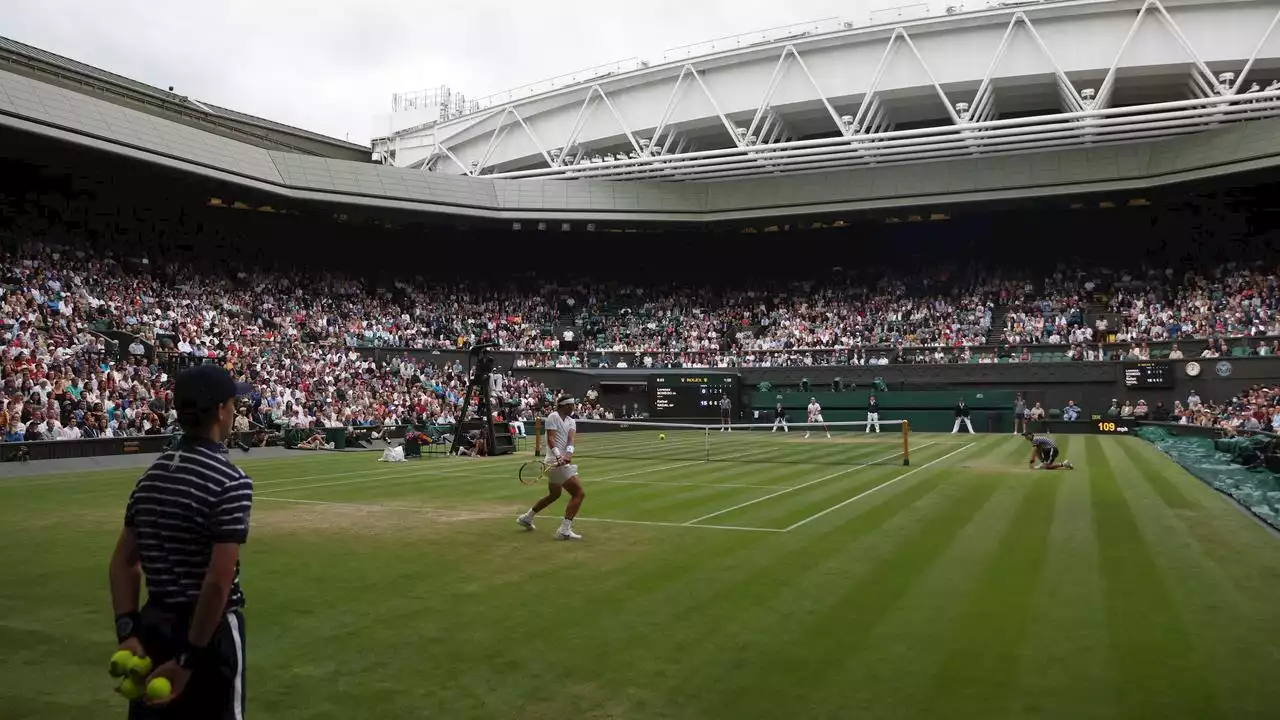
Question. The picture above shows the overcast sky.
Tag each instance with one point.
(331, 65)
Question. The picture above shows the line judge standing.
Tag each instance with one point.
(183, 527)
(962, 416)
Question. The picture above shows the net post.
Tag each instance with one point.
(537, 437)
(906, 446)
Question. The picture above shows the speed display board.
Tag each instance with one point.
(694, 395)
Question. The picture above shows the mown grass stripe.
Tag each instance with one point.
(1065, 670)
(1161, 484)
(1198, 551)
(1153, 656)
(786, 509)
(913, 634)
(979, 672)
(859, 464)
(848, 618)
(792, 578)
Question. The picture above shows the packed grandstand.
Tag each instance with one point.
(70, 311)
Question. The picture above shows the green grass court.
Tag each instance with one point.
(757, 586)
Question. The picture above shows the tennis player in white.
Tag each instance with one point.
(815, 417)
(563, 474)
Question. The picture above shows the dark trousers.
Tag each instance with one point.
(216, 690)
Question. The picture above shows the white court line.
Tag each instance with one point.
(797, 487)
(686, 484)
(276, 481)
(495, 516)
(675, 524)
(374, 474)
(677, 465)
(367, 478)
(861, 495)
(379, 506)
(392, 474)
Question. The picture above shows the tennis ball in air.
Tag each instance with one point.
(159, 689)
(140, 667)
(120, 663)
(130, 689)
(662, 436)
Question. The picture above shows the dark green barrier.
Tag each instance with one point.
(921, 420)
(927, 411)
(94, 447)
(292, 437)
(911, 400)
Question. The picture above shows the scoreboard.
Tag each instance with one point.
(693, 395)
(1148, 374)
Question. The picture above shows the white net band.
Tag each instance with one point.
(838, 443)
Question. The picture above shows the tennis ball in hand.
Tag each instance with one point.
(140, 667)
(121, 662)
(662, 436)
(159, 689)
(130, 689)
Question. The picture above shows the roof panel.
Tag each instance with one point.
(44, 57)
(50, 105)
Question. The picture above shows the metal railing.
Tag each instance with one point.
(758, 37)
(401, 101)
(559, 81)
(1035, 133)
(432, 97)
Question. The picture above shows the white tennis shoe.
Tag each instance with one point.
(567, 534)
(525, 522)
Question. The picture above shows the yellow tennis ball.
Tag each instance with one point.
(159, 689)
(120, 663)
(130, 689)
(662, 436)
(140, 667)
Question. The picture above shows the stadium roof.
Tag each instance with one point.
(56, 69)
(52, 106)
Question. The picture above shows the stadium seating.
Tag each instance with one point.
(69, 314)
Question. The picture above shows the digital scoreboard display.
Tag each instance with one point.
(1148, 374)
(693, 395)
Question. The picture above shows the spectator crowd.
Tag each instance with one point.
(92, 338)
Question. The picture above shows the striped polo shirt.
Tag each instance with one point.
(1044, 442)
(189, 500)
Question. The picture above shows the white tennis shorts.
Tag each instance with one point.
(816, 419)
(560, 475)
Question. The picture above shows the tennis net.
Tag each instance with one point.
(836, 443)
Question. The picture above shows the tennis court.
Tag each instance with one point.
(753, 585)
(746, 480)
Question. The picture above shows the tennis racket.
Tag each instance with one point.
(533, 472)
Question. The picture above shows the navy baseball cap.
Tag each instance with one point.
(205, 387)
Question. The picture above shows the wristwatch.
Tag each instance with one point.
(186, 659)
(126, 626)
